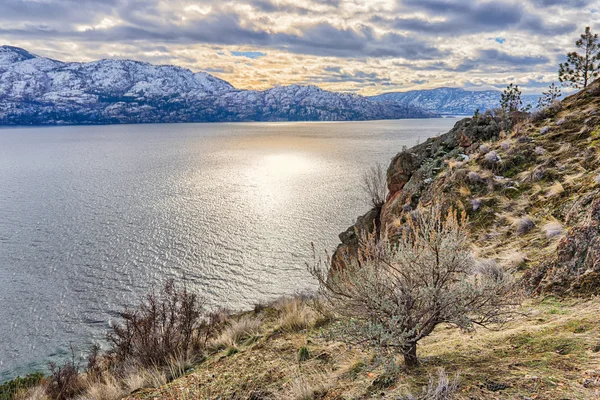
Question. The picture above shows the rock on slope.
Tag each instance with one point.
(37, 90)
(532, 193)
(449, 101)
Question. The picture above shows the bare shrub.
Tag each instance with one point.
(438, 389)
(374, 184)
(396, 291)
(65, 382)
(164, 325)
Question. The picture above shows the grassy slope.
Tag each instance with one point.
(551, 352)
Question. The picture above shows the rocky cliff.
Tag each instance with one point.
(532, 193)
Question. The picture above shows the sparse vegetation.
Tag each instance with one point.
(374, 184)
(530, 217)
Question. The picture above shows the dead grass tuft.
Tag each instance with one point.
(295, 314)
(237, 330)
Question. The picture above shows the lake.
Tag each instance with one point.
(92, 217)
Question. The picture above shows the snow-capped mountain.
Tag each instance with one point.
(38, 90)
(449, 101)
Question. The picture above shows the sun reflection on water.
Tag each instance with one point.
(275, 178)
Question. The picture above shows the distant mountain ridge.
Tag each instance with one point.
(41, 91)
(449, 101)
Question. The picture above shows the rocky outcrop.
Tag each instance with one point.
(409, 173)
(576, 268)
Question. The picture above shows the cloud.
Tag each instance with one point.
(460, 17)
(500, 58)
(348, 45)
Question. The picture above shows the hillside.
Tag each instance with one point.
(41, 91)
(533, 197)
(449, 101)
(532, 194)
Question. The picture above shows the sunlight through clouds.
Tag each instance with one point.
(361, 46)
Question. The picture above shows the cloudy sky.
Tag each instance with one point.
(364, 46)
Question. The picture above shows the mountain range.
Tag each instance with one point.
(449, 101)
(41, 91)
(37, 90)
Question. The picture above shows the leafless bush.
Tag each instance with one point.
(374, 184)
(438, 389)
(165, 325)
(395, 292)
(65, 382)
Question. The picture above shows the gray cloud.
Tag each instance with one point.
(461, 17)
(356, 32)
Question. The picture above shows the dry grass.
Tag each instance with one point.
(555, 190)
(308, 385)
(553, 229)
(236, 331)
(107, 388)
(546, 354)
(295, 314)
(144, 378)
(35, 393)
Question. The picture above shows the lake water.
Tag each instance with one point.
(93, 217)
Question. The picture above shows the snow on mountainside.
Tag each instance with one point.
(38, 90)
(449, 101)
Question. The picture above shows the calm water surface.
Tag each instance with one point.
(93, 217)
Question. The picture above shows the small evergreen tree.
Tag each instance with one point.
(549, 97)
(511, 100)
(580, 69)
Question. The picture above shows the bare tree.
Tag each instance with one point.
(397, 291)
(374, 184)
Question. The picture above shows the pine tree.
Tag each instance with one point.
(511, 100)
(580, 69)
(549, 97)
